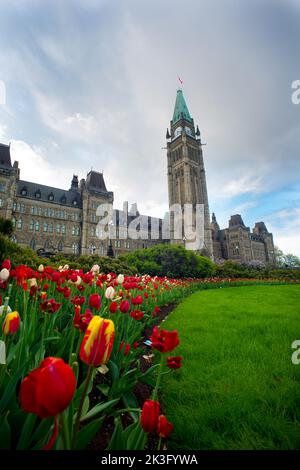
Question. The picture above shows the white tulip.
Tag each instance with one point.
(110, 293)
(41, 268)
(66, 267)
(95, 269)
(32, 282)
(120, 278)
(4, 274)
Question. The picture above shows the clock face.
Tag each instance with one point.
(188, 130)
(178, 131)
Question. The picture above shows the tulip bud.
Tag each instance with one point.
(41, 268)
(109, 293)
(149, 416)
(98, 341)
(5, 308)
(95, 301)
(11, 323)
(32, 282)
(4, 274)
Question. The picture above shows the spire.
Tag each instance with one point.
(214, 217)
(181, 109)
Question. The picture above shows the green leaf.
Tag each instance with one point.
(117, 441)
(87, 433)
(5, 433)
(114, 371)
(26, 434)
(98, 409)
(85, 406)
(11, 387)
(130, 402)
(136, 439)
(104, 389)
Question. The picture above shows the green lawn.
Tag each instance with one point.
(238, 388)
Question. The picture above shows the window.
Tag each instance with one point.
(24, 192)
(50, 212)
(75, 248)
(51, 197)
(38, 194)
(37, 226)
(51, 228)
(57, 228)
(74, 202)
(31, 225)
(1, 202)
(75, 230)
(22, 208)
(93, 232)
(45, 227)
(14, 206)
(63, 229)
(93, 218)
(60, 246)
(32, 243)
(2, 187)
(19, 224)
(13, 221)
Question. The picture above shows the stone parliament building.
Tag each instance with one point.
(51, 220)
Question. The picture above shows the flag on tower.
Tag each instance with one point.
(181, 81)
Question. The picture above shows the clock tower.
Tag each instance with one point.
(187, 181)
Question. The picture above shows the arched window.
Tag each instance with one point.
(19, 224)
(37, 226)
(31, 225)
(14, 239)
(75, 248)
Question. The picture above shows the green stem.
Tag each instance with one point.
(77, 422)
(159, 444)
(155, 391)
(65, 432)
(72, 343)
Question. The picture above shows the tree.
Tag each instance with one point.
(6, 227)
(286, 260)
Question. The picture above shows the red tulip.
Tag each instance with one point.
(95, 301)
(164, 340)
(113, 307)
(174, 362)
(124, 306)
(149, 416)
(98, 341)
(6, 264)
(50, 306)
(164, 427)
(137, 314)
(11, 323)
(48, 389)
(81, 321)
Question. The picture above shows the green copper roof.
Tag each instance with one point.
(181, 108)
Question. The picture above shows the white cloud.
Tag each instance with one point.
(241, 185)
(3, 130)
(35, 167)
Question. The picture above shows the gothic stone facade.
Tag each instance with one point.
(55, 220)
(239, 244)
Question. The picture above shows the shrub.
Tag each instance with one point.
(170, 260)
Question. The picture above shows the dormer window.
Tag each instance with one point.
(23, 192)
(63, 199)
(38, 194)
(74, 202)
(51, 197)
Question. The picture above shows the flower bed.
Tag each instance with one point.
(71, 352)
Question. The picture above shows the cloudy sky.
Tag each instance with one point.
(92, 84)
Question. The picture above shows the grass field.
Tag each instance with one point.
(238, 388)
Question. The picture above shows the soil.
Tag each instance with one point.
(141, 392)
